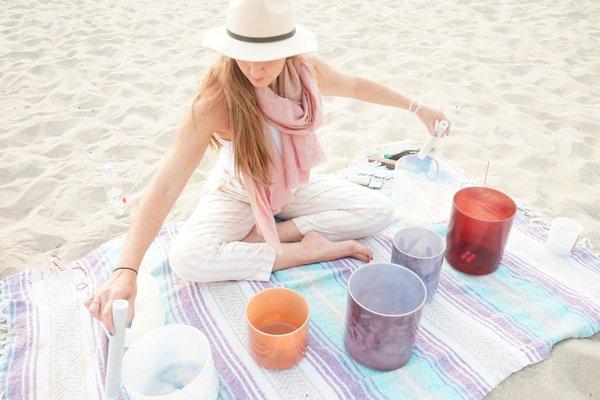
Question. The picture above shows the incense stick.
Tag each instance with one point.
(487, 166)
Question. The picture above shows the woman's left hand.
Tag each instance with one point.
(430, 118)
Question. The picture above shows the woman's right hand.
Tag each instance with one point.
(121, 285)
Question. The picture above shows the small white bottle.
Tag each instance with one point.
(114, 191)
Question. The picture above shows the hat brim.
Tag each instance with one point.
(303, 41)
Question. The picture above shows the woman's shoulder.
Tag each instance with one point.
(318, 66)
(210, 107)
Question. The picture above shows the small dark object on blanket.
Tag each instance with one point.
(404, 153)
(389, 164)
(390, 161)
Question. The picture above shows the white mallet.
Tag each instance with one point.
(116, 346)
(441, 128)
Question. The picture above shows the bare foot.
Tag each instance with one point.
(326, 250)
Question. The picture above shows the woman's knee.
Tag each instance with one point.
(191, 261)
(382, 212)
(373, 212)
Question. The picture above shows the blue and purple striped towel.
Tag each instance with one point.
(474, 333)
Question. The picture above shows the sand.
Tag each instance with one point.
(91, 82)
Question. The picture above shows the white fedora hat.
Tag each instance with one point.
(260, 30)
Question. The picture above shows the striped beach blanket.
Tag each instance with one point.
(474, 333)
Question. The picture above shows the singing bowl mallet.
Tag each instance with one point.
(441, 128)
(116, 347)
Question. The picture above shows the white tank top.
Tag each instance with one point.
(226, 158)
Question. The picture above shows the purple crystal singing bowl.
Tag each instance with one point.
(385, 303)
(422, 251)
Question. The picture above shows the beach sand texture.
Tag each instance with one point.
(91, 82)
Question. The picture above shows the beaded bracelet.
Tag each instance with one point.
(131, 269)
(417, 109)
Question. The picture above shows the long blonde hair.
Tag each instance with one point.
(251, 149)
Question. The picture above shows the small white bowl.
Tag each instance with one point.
(149, 310)
(172, 362)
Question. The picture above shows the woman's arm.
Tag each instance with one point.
(166, 185)
(337, 83)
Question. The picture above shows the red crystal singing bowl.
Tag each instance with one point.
(478, 230)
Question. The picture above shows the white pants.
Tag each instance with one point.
(208, 247)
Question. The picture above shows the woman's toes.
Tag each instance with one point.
(361, 252)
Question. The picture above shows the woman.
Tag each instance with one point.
(260, 104)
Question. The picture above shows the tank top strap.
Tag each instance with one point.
(226, 155)
(221, 140)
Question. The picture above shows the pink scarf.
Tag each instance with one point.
(294, 107)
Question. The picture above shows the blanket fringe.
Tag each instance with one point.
(541, 220)
(3, 324)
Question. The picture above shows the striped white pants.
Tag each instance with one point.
(208, 246)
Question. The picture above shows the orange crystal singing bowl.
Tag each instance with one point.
(277, 327)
